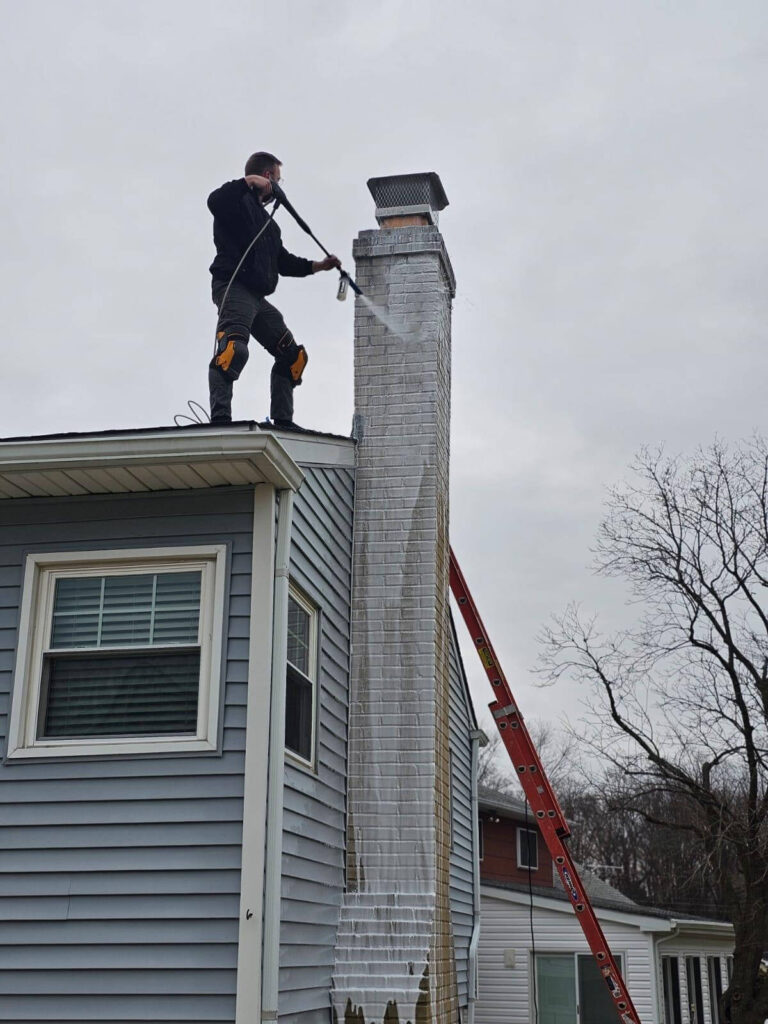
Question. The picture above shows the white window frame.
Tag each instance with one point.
(519, 831)
(41, 572)
(312, 678)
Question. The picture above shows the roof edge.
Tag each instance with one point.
(260, 454)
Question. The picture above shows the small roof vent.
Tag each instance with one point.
(403, 199)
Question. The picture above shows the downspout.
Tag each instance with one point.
(479, 739)
(274, 846)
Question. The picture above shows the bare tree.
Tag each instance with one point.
(556, 750)
(681, 701)
(655, 865)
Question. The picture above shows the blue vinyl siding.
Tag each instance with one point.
(120, 877)
(461, 724)
(314, 824)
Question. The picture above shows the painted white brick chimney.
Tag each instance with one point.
(395, 954)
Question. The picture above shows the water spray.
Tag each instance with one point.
(345, 279)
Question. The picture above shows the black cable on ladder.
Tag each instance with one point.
(530, 916)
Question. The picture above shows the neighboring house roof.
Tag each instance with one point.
(504, 803)
(601, 894)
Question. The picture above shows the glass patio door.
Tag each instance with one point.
(596, 1005)
(570, 990)
(556, 989)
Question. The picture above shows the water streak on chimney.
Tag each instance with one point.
(395, 955)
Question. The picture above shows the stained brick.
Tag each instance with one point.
(397, 911)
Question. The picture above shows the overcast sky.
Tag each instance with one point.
(605, 164)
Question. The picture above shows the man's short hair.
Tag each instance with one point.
(258, 163)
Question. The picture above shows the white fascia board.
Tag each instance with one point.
(319, 451)
(267, 458)
(685, 926)
(640, 921)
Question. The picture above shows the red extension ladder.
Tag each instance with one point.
(540, 795)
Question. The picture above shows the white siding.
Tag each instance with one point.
(504, 995)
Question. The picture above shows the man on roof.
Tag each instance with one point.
(250, 256)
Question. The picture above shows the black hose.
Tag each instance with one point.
(281, 199)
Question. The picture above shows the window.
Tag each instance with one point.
(715, 987)
(300, 697)
(527, 849)
(570, 987)
(695, 993)
(119, 652)
(670, 973)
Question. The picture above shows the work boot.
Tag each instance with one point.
(220, 391)
(281, 405)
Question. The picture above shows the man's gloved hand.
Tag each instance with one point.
(262, 185)
(329, 263)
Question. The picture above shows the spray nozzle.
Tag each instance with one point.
(345, 281)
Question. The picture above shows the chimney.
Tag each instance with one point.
(395, 953)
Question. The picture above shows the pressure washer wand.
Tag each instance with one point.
(281, 200)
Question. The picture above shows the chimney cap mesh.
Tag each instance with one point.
(405, 190)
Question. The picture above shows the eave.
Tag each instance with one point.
(141, 462)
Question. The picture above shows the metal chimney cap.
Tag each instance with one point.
(395, 194)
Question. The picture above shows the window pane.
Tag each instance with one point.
(298, 636)
(177, 605)
(529, 854)
(298, 714)
(597, 1003)
(556, 989)
(76, 612)
(715, 987)
(695, 994)
(126, 610)
(671, 977)
(121, 694)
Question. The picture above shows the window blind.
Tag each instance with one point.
(152, 691)
(126, 610)
(121, 694)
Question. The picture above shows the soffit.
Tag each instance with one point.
(129, 463)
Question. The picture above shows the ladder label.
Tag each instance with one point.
(485, 657)
(569, 882)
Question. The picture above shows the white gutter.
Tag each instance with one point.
(274, 846)
(479, 739)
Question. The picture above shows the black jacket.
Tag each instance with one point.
(238, 216)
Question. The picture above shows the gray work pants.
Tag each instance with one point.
(245, 314)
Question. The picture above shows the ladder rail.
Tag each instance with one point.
(540, 795)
